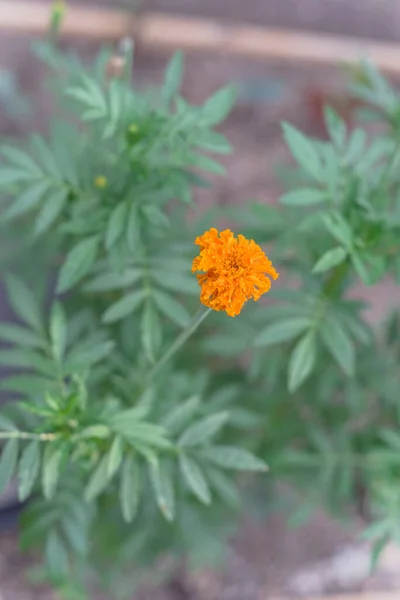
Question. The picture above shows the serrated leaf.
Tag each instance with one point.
(282, 331)
(175, 282)
(171, 308)
(116, 224)
(173, 77)
(331, 258)
(78, 263)
(163, 489)
(129, 490)
(195, 479)
(50, 470)
(58, 331)
(10, 176)
(151, 331)
(339, 345)
(51, 209)
(303, 150)
(218, 106)
(98, 481)
(301, 362)
(181, 414)
(124, 306)
(339, 228)
(56, 554)
(224, 486)
(336, 126)
(6, 424)
(28, 469)
(20, 336)
(369, 268)
(20, 159)
(155, 215)
(113, 281)
(23, 302)
(206, 164)
(230, 457)
(29, 199)
(8, 462)
(115, 456)
(202, 431)
(304, 197)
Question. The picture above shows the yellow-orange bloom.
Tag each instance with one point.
(235, 269)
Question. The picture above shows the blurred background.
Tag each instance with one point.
(269, 559)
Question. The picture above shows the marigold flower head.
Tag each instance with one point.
(235, 269)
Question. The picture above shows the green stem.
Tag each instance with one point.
(23, 435)
(180, 340)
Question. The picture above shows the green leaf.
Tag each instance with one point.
(58, 331)
(116, 224)
(336, 127)
(230, 457)
(124, 306)
(171, 308)
(175, 282)
(282, 331)
(20, 336)
(23, 302)
(377, 549)
(355, 146)
(113, 281)
(304, 197)
(163, 489)
(369, 268)
(224, 487)
(218, 106)
(8, 462)
(303, 150)
(98, 481)
(56, 554)
(51, 209)
(173, 77)
(339, 344)
(6, 424)
(331, 258)
(151, 332)
(338, 228)
(155, 216)
(202, 431)
(143, 433)
(20, 159)
(50, 470)
(195, 479)
(130, 487)
(213, 142)
(10, 176)
(78, 263)
(115, 456)
(206, 164)
(302, 361)
(28, 469)
(181, 414)
(29, 199)
(94, 431)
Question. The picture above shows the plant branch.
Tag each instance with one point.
(180, 340)
(23, 435)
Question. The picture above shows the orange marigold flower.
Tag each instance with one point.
(235, 269)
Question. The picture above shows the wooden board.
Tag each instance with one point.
(155, 31)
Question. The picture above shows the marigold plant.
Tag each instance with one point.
(121, 431)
